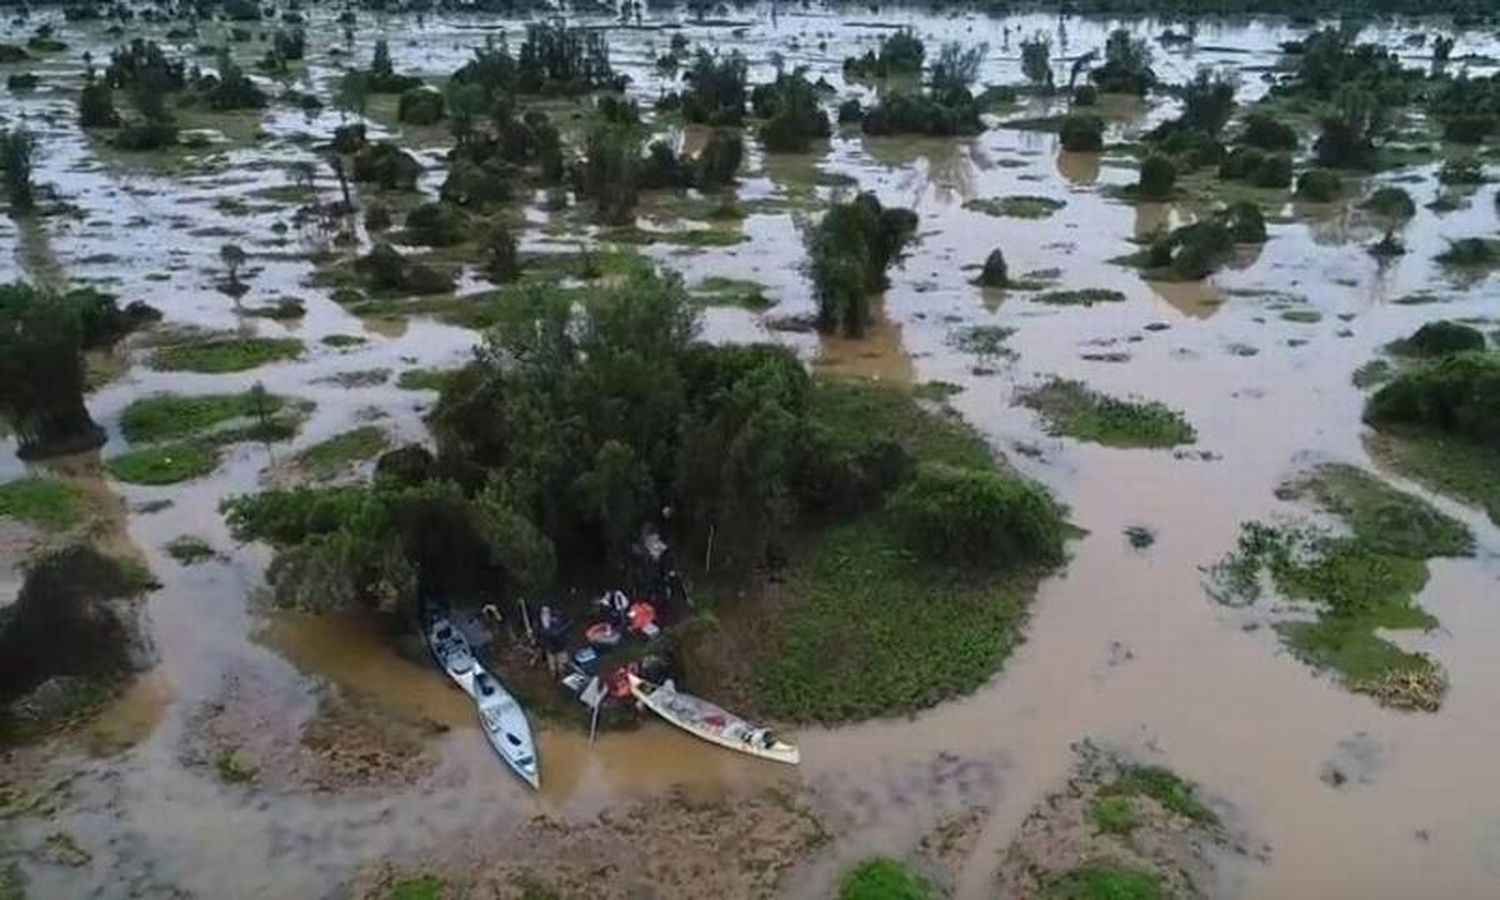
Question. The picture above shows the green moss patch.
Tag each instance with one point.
(1461, 469)
(328, 459)
(226, 354)
(48, 504)
(1105, 881)
(423, 379)
(1018, 206)
(884, 879)
(418, 887)
(163, 417)
(1114, 815)
(717, 290)
(1070, 408)
(1174, 793)
(984, 341)
(165, 463)
(189, 550)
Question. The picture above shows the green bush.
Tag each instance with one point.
(1319, 186)
(437, 225)
(1105, 881)
(1266, 133)
(977, 517)
(1246, 223)
(1457, 394)
(386, 165)
(1441, 338)
(1391, 203)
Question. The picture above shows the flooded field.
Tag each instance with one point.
(1124, 646)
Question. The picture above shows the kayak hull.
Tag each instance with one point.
(708, 722)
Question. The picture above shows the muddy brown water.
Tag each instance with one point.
(1123, 646)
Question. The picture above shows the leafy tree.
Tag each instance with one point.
(899, 54)
(233, 257)
(17, 152)
(716, 91)
(1208, 101)
(1036, 62)
(610, 171)
(955, 71)
(1127, 66)
(1347, 140)
(794, 116)
(42, 375)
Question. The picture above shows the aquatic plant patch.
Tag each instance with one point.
(1018, 206)
(1354, 585)
(1071, 408)
(221, 355)
(48, 504)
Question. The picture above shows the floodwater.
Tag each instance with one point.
(1124, 647)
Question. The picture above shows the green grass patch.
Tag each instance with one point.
(1114, 815)
(189, 550)
(1105, 881)
(984, 341)
(1353, 590)
(418, 887)
(853, 413)
(1080, 297)
(1385, 519)
(878, 632)
(1175, 794)
(1462, 469)
(164, 417)
(1070, 408)
(329, 459)
(220, 355)
(48, 504)
(717, 290)
(1019, 206)
(693, 237)
(1302, 316)
(165, 463)
(884, 879)
(423, 379)
(341, 341)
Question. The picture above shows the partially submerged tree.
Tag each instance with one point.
(1127, 65)
(17, 155)
(848, 252)
(42, 375)
(1036, 62)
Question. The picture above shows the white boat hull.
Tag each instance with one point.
(704, 720)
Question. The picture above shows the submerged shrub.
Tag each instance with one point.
(437, 224)
(994, 274)
(1265, 133)
(1082, 134)
(420, 106)
(1441, 338)
(1158, 178)
(387, 165)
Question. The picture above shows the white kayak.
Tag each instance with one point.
(705, 720)
(505, 726)
(452, 652)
